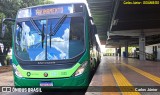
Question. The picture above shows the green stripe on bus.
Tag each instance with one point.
(51, 73)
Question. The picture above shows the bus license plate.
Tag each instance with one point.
(46, 84)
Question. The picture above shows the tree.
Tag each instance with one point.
(8, 9)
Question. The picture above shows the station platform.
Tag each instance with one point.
(125, 76)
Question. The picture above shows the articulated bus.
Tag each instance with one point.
(53, 46)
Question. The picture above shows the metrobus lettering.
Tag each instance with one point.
(46, 62)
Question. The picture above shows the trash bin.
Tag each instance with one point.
(124, 54)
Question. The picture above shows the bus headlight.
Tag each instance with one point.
(81, 69)
(16, 71)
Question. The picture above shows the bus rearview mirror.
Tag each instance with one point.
(3, 30)
(4, 25)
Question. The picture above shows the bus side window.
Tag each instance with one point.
(93, 34)
(90, 35)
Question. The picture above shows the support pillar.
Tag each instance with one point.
(116, 51)
(119, 51)
(126, 49)
(142, 46)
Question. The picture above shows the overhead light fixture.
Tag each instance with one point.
(115, 22)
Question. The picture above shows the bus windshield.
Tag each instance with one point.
(49, 39)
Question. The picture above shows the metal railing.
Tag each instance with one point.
(147, 55)
(131, 55)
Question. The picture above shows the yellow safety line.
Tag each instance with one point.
(123, 83)
(146, 74)
(108, 80)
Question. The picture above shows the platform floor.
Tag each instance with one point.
(125, 76)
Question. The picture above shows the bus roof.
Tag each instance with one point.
(52, 4)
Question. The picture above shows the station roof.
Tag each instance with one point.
(124, 21)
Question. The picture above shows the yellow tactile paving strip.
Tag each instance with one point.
(146, 74)
(108, 80)
(122, 81)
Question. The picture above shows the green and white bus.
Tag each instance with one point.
(53, 46)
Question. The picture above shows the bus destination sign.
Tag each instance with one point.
(45, 10)
(49, 11)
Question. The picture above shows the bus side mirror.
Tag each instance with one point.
(3, 30)
(91, 18)
(94, 29)
(4, 25)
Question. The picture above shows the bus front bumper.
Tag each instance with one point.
(73, 81)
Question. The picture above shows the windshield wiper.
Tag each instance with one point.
(43, 35)
(54, 30)
(39, 31)
(50, 32)
(35, 26)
